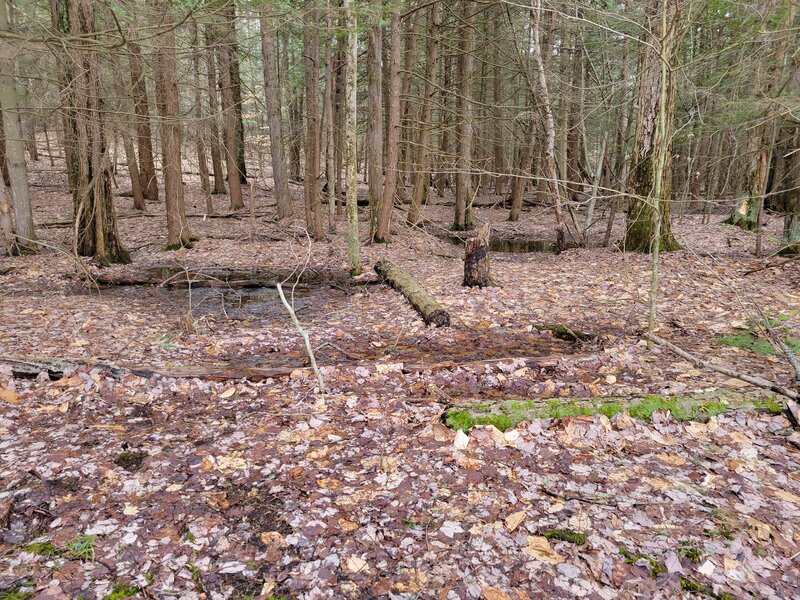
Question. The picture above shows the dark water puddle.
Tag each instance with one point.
(509, 245)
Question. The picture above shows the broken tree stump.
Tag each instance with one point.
(476, 260)
(421, 299)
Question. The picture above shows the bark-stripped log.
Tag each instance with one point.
(420, 298)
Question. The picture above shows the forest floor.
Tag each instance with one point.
(117, 484)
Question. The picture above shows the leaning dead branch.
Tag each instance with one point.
(751, 379)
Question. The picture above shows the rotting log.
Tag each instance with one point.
(168, 276)
(421, 299)
(476, 260)
(563, 332)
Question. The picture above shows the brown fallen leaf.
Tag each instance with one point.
(415, 582)
(539, 548)
(514, 520)
(493, 593)
(70, 381)
(9, 396)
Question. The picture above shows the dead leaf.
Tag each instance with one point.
(355, 564)
(539, 548)
(416, 581)
(461, 440)
(492, 593)
(9, 396)
(228, 393)
(514, 520)
(70, 381)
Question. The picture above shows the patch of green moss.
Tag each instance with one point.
(656, 568)
(43, 549)
(460, 419)
(749, 341)
(566, 535)
(689, 552)
(121, 590)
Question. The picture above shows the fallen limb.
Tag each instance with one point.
(751, 379)
(563, 332)
(304, 335)
(421, 299)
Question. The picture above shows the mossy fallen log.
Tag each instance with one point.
(421, 299)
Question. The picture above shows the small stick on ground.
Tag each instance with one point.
(751, 379)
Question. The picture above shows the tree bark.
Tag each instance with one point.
(791, 220)
(393, 134)
(213, 109)
(351, 136)
(464, 191)
(649, 181)
(374, 118)
(200, 124)
(422, 173)
(476, 260)
(231, 40)
(165, 71)
(329, 119)
(272, 97)
(141, 106)
(311, 56)
(15, 145)
(229, 121)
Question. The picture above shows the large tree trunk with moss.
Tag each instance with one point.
(15, 145)
(649, 180)
(95, 220)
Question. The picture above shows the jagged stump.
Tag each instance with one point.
(476, 260)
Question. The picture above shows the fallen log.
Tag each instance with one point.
(421, 299)
(699, 362)
(168, 276)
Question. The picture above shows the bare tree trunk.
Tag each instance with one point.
(463, 209)
(15, 145)
(330, 87)
(351, 134)
(497, 91)
(229, 123)
(446, 121)
(144, 138)
(213, 108)
(550, 170)
(165, 71)
(791, 220)
(232, 44)
(407, 153)
(272, 96)
(393, 134)
(374, 120)
(29, 122)
(311, 67)
(422, 173)
(200, 124)
(7, 223)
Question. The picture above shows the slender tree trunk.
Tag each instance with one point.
(29, 122)
(524, 169)
(463, 209)
(445, 122)
(213, 109)
(232, 44)
(407, 153)
(272, 97)
(141, 105)
(167, 99)
(649, 180)
(392, 133)
(374, 119)
(550, 170)
(15, 145)
(311, 66)
(351, 134)
(59, 22)
(229, 123)
(791, 220)
(422, 174)
(200, 124)
(497, 95)
(330, 142)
